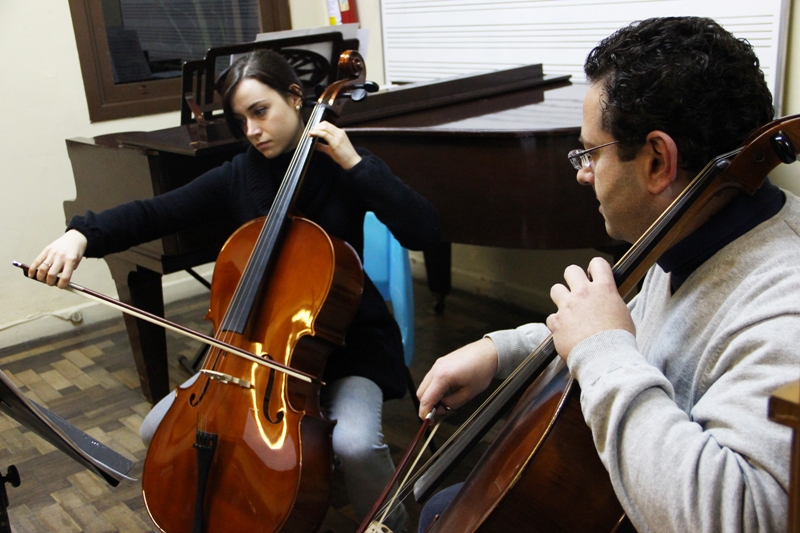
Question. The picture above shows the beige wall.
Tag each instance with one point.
(312, 13)
(43, 103)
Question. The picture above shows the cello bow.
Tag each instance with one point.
(177, 328)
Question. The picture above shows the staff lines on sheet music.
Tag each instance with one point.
(759, 29)
(465, 37)
(446, 6)
(501, 36)
(554, 29)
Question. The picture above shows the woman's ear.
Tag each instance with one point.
(663, 161)
(296, 93)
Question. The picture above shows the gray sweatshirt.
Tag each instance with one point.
(678, 413)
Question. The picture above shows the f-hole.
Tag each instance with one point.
(194, 401)
(265, 404)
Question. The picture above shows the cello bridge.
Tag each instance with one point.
(226, 378)
(377, 527)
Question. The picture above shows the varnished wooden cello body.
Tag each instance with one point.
(542, 473)
(245, 448)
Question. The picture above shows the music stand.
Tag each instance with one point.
(95, 456)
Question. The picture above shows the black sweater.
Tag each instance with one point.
(244, 189)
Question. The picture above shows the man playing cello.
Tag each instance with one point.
(674, 384)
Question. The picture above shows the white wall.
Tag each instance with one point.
(788, 176)
(43, 104)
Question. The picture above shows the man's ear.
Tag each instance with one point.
(662, 160)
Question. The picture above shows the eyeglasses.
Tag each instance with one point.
(582, 158)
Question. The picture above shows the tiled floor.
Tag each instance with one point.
(88, 378)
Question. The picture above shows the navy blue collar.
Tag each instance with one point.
(742, 214)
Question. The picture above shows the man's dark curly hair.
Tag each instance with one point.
(686, 76)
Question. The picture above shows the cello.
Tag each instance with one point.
(543, 459)
(245, 447)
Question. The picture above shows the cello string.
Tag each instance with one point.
(245, 292)
(387, 508)
(254, 270)
(406, 489)
(269, 232)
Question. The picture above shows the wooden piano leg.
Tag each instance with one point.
(141, 288)
(437, 268)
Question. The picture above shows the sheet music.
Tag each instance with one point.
(348, 31)
(431, 39)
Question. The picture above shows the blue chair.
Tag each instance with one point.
(387, 264)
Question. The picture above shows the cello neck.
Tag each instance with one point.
(268, 240)
(351, 65)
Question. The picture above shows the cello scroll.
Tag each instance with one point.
(354, 86)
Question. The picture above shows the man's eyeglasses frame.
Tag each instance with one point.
(581, 159)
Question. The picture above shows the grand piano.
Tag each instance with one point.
(489, 151)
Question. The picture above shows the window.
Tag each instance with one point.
(131, 51)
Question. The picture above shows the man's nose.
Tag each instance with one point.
(585, 176)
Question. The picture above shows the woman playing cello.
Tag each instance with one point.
(262, 100)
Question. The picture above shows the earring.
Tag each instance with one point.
(298, 106)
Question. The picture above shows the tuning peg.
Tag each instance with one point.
(360, 91)
(371, 87)
(783, 147)
(358, 94)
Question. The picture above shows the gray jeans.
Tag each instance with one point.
(356, 404)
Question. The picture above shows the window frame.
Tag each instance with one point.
(109, 101)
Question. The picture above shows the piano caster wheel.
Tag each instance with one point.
(187, 365)
(193, 366)
(12, 476)
(438, 305)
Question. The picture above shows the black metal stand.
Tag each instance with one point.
(194, 365)
(84, 449)
(12, 476)
(437, 268)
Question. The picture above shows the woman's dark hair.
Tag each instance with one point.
(686, 76)
(266, 66)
